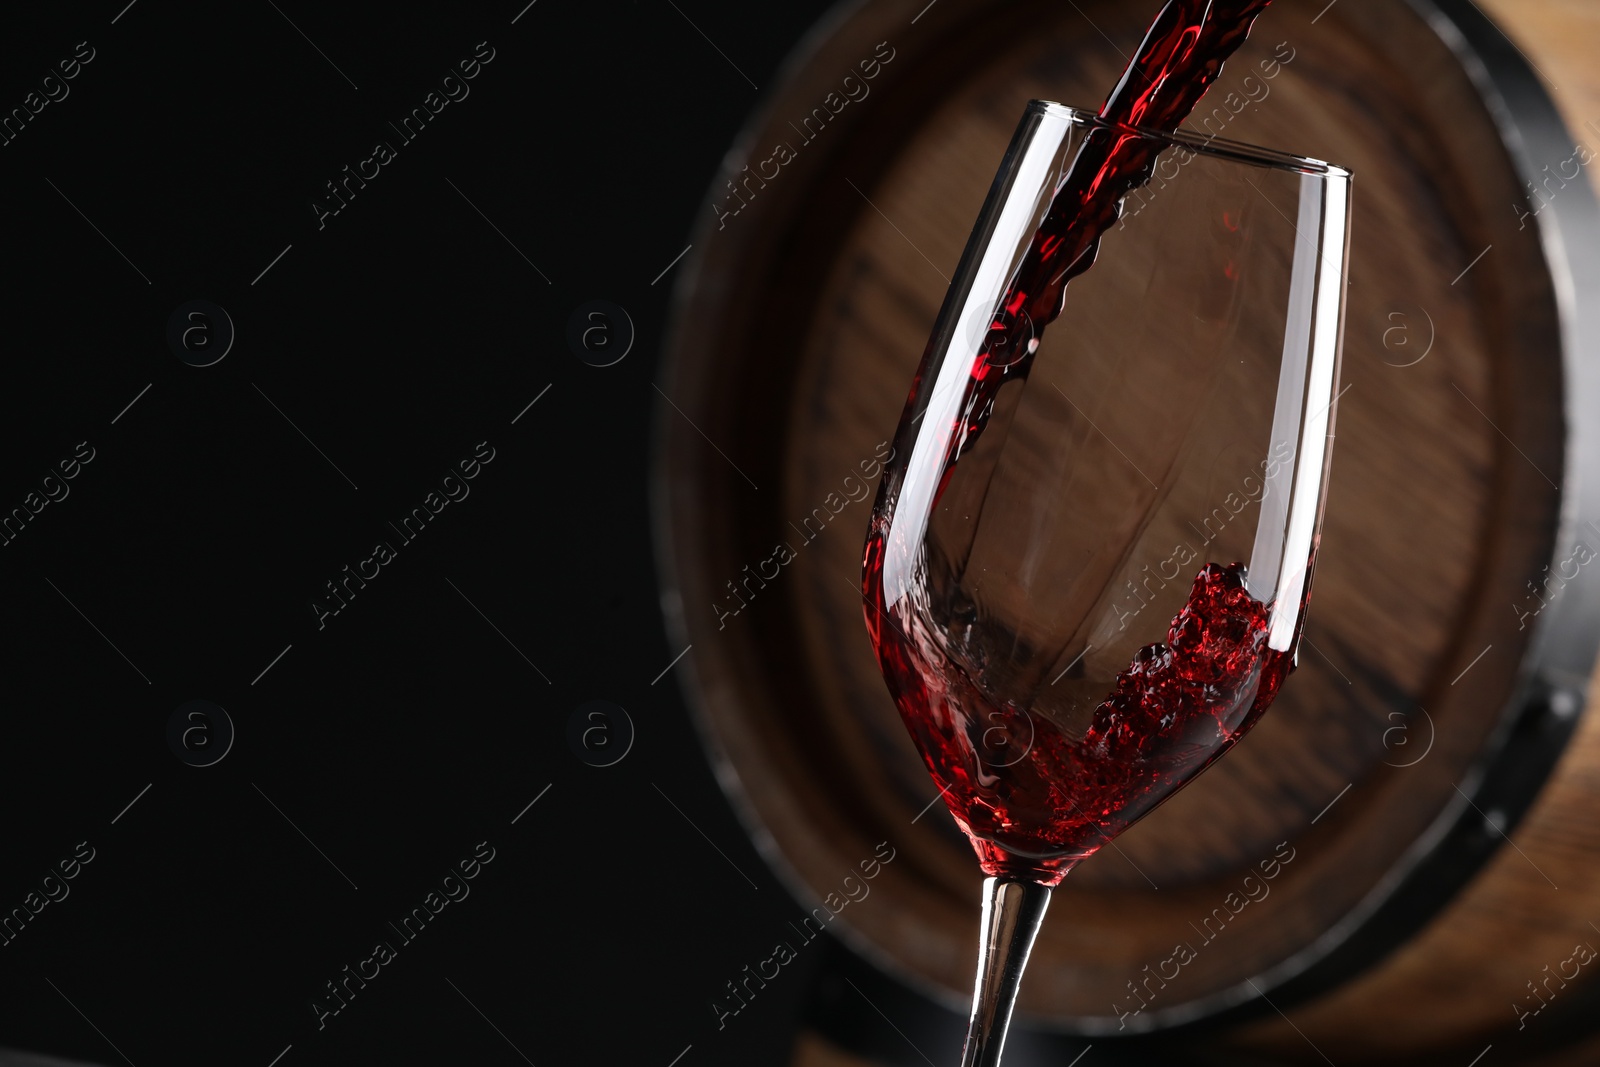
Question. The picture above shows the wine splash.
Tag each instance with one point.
(1033, 800)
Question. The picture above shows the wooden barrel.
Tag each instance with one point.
(1403, 851)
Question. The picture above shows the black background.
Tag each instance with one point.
(378, 351)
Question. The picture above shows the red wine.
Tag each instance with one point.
(1038, 801)
(1033, 800)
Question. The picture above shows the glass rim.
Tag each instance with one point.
(1216, 147)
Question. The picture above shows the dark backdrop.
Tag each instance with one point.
(375, 348)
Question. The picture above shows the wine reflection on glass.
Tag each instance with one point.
(1090, 558)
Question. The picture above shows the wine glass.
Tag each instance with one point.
(1091, 552)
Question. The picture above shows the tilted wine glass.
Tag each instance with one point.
(1091, 554)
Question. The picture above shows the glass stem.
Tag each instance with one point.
(1012, 912)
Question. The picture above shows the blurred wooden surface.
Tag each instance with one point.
(1562, 39)
(812, 1050)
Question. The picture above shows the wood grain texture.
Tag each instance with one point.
(834, 274)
